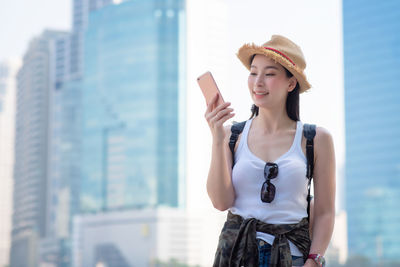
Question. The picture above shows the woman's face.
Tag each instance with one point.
(268, 83)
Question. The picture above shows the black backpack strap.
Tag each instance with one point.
(236, 130)
(309, 134)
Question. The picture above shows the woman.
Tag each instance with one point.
(271, 228)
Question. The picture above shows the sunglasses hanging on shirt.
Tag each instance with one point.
(268, 189)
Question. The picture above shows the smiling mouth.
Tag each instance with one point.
(258, 93)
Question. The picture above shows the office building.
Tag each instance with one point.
(80, 15)
(133, 107)
(8, 70)
(35, 80)
(371, 50)
(64, 138)
(131, 238)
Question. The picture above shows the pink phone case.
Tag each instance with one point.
(209, 88)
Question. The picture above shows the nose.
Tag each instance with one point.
(259, 80)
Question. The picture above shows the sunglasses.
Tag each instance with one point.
(268, 189)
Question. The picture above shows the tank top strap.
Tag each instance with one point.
(298, 138)
(243, 138)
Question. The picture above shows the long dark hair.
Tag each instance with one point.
(292, 101)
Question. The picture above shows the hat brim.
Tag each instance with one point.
(248, 50)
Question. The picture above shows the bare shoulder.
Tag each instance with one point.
(324, 147)
(322, 135)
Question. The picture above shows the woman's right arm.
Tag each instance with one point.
(219, 182)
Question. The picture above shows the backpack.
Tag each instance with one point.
(308, 132)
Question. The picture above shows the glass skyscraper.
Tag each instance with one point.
(80, 15)
(132, 107)
(372, 97)
(64, 138)
(43, 63)
(104, 137)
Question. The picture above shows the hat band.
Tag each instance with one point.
(280, 53)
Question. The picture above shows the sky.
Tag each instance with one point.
(315, 25)
(21, 20)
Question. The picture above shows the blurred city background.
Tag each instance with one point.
(104, 149)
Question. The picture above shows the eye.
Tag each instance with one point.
(269, 74)
(253, 73)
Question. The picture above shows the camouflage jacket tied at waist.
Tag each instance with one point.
(237, 244)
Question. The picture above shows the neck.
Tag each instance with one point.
(273, 122)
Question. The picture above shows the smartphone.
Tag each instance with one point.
(209, 88)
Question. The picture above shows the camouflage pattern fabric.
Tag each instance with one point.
(237, 244)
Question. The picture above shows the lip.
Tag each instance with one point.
(260, 96)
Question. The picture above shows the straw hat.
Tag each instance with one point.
(282, 51)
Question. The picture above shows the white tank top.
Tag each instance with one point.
(290, 203)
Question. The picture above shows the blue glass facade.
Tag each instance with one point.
(130, 106)
(81, 10)
(65, 162)
(372, 97)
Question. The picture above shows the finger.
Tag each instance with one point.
(210, 105)
(208, 115)
(224, 119)
(215, 115)
(219, 108)
(212, 101)
(221, 114)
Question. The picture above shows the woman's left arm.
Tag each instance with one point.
(324, 193)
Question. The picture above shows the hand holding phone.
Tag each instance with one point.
(209, 88)
(218, 110)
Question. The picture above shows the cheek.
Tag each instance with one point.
(272, 82)
(275, 83)
(250, 82)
